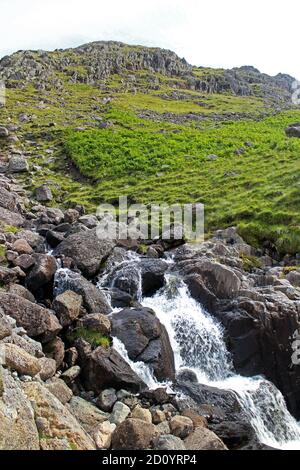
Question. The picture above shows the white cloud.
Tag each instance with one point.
(217, 33)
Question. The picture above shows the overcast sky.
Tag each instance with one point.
(217, 33)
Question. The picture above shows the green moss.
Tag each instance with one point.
(2, 253)
(10, 229)
(91, 336)
(250, 263)
(288, 269)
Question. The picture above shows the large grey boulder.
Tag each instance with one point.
(104, 368)
(94, 300)
(87, 251)
(145, 339)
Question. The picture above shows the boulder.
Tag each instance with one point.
(145, 339)
(132, 434)
(203, 439)
(7, 200)
(87, 250)
(59, 389)
(293, 130)
(7, 275)
(55, 349)
(181, 426)
(6, 326)
(57, 421)
(103, 435)
(107, 399)
(24, 262)
(21, 291)
(86, 414)
(36, 320)
(94, 300)
(19, 360)
(42, 273)
(119, 413)
(67, 307)
(48, 368)
(169, 442)
(11, 218)
(43, 194)
(105, 367)
(3, 132)
(18, 429)
(141, 413)
(153, 275)
(18, 164)
(96, 322)
(294, 278)
(22, 247)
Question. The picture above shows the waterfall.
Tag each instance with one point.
(198, 344)
(140, 368)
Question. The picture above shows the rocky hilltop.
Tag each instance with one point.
(94, 62)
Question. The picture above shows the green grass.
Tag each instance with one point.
(259, 190)
(91, 336)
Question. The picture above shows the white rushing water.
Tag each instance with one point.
(198, 344)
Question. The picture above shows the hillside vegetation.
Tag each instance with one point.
(106, 120)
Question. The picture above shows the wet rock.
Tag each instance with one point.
(106, 368)
(145, 339)
(153, 275)
(234, 435)
(94, 300)
(133, 434)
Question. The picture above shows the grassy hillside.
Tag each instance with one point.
(165, 137)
